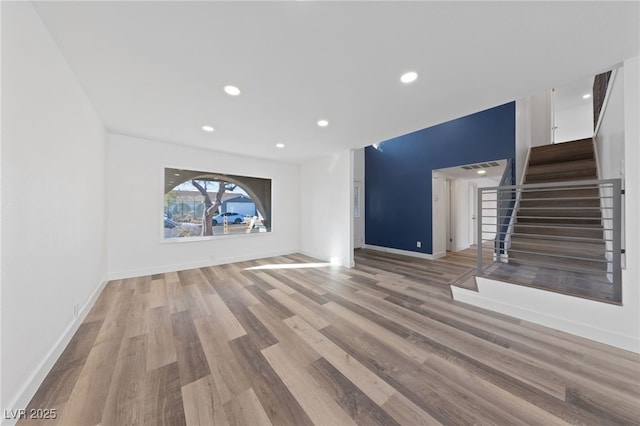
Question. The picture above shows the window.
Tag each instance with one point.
(208, 204)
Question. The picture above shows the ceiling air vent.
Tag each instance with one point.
(481, 166)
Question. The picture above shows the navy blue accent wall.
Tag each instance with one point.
(398, 174)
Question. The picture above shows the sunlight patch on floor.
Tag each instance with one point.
(289, 266)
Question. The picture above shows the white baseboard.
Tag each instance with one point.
(33, 382)
(402, 252)
(314, 255)
(162, 269)
(439, 255)
(335, 261)
(460, 248)
(561, 312)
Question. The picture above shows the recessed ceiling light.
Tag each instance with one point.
(481, 172)
(232, 90)
(176, 174)
(323, 123)
(586, 96)
(409, 77)
(279, 145)
(207, 128)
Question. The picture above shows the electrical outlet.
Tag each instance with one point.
(418, 244)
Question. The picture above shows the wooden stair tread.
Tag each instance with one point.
(565, 231)
(589, 164)
(577, 265)
(567, 151)
(564, 146)
(594, 250)
(586, 212)
(560, 202)
(591, 191)
(558, 222)
(555, 239)
(595, 273)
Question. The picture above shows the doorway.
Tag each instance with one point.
(572, 111)
(455, 204)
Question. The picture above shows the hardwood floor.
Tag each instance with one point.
(587, 286)
(577, 284)
(286, 341)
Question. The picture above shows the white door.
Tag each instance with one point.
(473, 206)
(358, 215)
(449, 213)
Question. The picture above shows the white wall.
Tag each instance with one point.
(523, 136)
(2, 404)
(135, 171)
(629, 320)
(614, 325)
(533, 127)
(609, 144)
(53, 203)
(540, 110)
(610, 140)
(326, 208)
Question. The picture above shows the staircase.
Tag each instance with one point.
(560, 227)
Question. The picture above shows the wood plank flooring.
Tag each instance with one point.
(280, 342)
(560, 281)
(577, 284)
(456, 268)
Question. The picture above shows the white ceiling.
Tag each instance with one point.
(157, 69)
